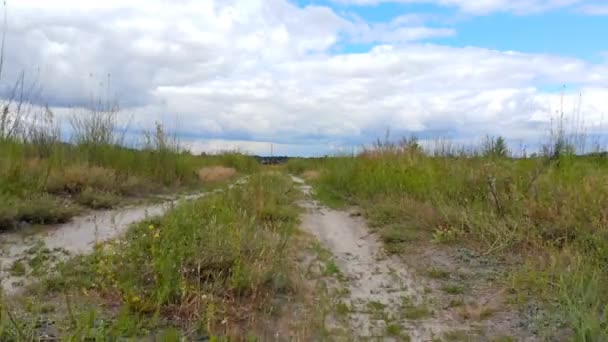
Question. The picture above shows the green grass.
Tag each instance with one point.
(436, 273)
(297, 166)
(18, 269)
(342, 309)
(457, 335)
(393, 330)
(411, 311)
(199, 268)
(416, 312)
(549, 213)
(453, 289)
(46, 188)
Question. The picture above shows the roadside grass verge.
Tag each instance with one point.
(219, 266)
(94, 167)
(545, 216)
(50, 189)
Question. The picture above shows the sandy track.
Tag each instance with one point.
(80, 235)
(381, 290)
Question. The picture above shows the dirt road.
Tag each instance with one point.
(382, 299)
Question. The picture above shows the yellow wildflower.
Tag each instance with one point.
(157, 235)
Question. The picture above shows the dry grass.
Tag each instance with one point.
(504, 208)
(75, 178)
(311, 175)
(484, 307)
(216, 174)
(220, 266)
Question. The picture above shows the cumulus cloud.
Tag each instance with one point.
(241, 74)
(484, 6)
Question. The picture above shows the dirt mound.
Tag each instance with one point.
(215, 174)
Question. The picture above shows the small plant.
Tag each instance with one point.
(446, 234)
(376, 306)
(342, 309)
(437, 273)
(331, 268)
(453, 289)
(393, 330)
(97, 199)
(455, 303)
(495, 147)
(457, 336)
(414, 312)
(18, 269)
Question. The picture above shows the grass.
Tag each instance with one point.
(394, 330)
(50, 189)
(44, 174)
(457, 335)
(342, 309)
(18, 269)
(217, 266)
(453, 289)
(411, 311)
(545, 215)
(436, 273)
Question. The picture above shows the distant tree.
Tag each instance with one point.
(495, 147)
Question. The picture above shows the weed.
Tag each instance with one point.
(342, 309)
(453, 289)
(393, 330)
(414, 312)
(208, 261)
(457, 335)
(97, 199)
(454, 303)
(375, 306)
(437, 273)
(491, 204)
(18, 269)
(331, 268)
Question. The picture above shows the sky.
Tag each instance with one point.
(316, 77)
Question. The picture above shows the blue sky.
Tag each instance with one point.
(317, 77)
(563, 31)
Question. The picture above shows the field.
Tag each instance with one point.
(479, 235)
(543, 218)
(104, 237)
(46, 180)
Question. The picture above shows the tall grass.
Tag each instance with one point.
(95, 166)
(217, 266)
(551, 207)
(43, 168)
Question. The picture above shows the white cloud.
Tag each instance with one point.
(244, 73)
(484, 6)
(595, 9)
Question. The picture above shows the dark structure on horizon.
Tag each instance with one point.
(265, 160)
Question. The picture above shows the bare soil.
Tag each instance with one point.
(384, 298)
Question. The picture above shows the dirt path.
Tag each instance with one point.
(383, 300)
(79, 236)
